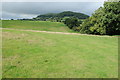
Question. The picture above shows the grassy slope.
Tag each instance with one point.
(43, 55)
(0, 50)
(36, 25)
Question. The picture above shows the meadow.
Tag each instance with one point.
(38, 48)
(29, 54)
(0, 50)
(36, 25)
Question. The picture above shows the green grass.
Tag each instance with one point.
(36, 25)
(0, 50)
(43, 55)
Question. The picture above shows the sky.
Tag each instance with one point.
(17, 9)
(53, 0)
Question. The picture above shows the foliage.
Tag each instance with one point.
(112, 16)
(71, 22)
(57, 17)
(105, 20)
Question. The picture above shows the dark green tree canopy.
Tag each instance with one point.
(105, 20)
(63, 14)
(71, 22)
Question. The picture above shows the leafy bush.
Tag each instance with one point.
(105, 20)
(72, 22)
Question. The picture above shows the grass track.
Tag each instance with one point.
(51, 32)
(43, 55)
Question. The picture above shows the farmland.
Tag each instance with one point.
(29, 54)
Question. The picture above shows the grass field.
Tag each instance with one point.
(0, 50)
(42, 55)
(36, 25)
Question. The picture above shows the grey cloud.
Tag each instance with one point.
(8, 15)
(31, 9)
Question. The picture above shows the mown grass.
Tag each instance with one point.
(36, 25)
(0, 50)
(43, 55)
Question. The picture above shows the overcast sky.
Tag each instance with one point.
(25, 9)
(53, 0)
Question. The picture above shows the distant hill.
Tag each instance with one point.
(63, 14)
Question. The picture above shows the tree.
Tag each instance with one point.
(112, 17)
(105, 20)
(71, 22)
(58, 16)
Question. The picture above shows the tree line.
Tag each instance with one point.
(58, 17)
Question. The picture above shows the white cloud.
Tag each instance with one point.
(53, 0)
(27, 16)
(17, 10)
(8, 15)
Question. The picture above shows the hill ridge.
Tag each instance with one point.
(63, 14)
